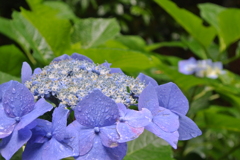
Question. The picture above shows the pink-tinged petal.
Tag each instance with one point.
(40, 108)
(12, 143)
(148, 99)
(62, 57)
(17, 100)
(128, 133)
(96, 110)
(59, 122)
(81, 57)
(138, 118)
(104, 153)
(171, 138)
(172, 98)
(122, 109)
(109, 136)
(188, 129)
(146, 79)
(166, 120)
(26, 72)
(116, 70)
(37, 71)
(7, 124)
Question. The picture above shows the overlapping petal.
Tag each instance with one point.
(12, 143)
(146, 79)
(109, 136)
(96, 110)
(100, 152)
(172, 98)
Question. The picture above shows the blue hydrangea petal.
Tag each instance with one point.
(80, 57)
(62, 57)
(96, 110)
(148, 99)
(116, 70)
(59, 122)
(138, 118)
(147, 79)
(3, 88)
(40, 130)
(187, 66)
(128, 133)
(17, 100)
(37, 71)
(40, 108)
(122, 109)
(100, 152)
(109, 136)
(7, 124)
(171, 138)
(26, 72)
(172, 98)
(188, 129)
(12, 143)
(166, 120)
(106, 64)
(50, 150)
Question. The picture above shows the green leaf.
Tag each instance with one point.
(150, 147)
(127, 60)
(11, 60)
(190, 22)
(4, 77)
(92, 32)
(154, 46)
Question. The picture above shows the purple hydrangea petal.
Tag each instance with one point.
(50, 150)
(62, 57)
(14, 142)
(109, 136)
(26, 72)
(138, 118)
(81, 57)
(122, 109)
(7, 124)
(3, 88)
(187, 66)
(116, 70)
(17, 100)
(59, 122)
(166, 120)
(171, 138)
(146, 79)
(100, 152)
(128, 133)
(188, 129)
(40, 108)
(96, 110)
(148, 99)
(85, 135)
(37, 71)
(172, 98)
(40, 130)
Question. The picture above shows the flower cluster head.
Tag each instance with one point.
(201, 68)
(90, 107)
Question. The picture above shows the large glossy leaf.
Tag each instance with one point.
(92, 32)
(4, 77)
(150, 147)
(190, 22)
(11, 60)
(127, 60)
(224, 20)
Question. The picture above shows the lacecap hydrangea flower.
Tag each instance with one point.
(91, 118)
(201, 68)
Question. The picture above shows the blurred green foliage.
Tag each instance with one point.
(51, 29)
